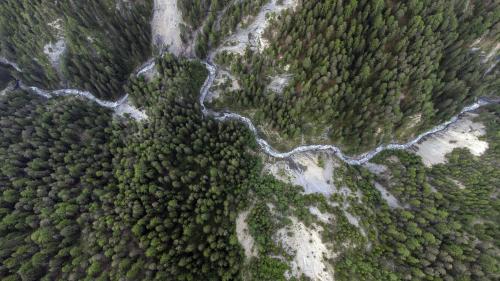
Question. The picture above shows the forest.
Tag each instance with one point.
(364, 72)
(102, 44)
(5, 75)
(448, 229)
(88, 197)
(87, 194)
(445, 227)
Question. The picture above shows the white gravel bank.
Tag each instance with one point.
(463, 134)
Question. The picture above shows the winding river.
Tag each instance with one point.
(74, 92)
(351, 160)
(265, 146)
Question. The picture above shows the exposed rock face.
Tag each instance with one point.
(308, 249)
(166, 26)
(244, 237)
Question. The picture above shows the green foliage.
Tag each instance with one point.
(366, 71)
(262, 227)
(195, 11)
(104, 43)
(214, 20)
(444, 231)
(267, 269)
(287, 199)
(192, 170)
(173, 74)
(86, 198)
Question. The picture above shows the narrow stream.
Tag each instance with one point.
(351, 160)
(74, 92)
(265, 146)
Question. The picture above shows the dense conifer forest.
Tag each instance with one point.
(102, 44)
(87, 197)
(5, 75)
(365, 72)
(212, 21)
(88, 194)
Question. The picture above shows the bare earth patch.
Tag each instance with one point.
(383, 172)
(125, 109)
(305, 169)
(54, 51)
(392, 201)
(252, 35)
(463, 134)
(223, 77)
(492, 53)
(244, 237)
(323, 217)
(166, 26)
(377, 169)
(7, 89)
(308, 250)
(278, 83)
(458, 184)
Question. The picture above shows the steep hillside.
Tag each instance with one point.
(361, 73)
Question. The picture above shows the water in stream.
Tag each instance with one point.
(222, 116)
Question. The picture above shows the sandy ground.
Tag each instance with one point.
(478, 40)
(166, 26)
(123, 4)
(54, 51)
(352, 219)
(414, 121)
(492, 66)
(383, 171)
(57, 25)
(392, 201)
(458, 184)
(492, 58)
(127, 109)
(278, 83)
(151, 74)
(304, 169)
(377, 169)
(308, 250)
(463, 134)
(323, 217)
(244, 237)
